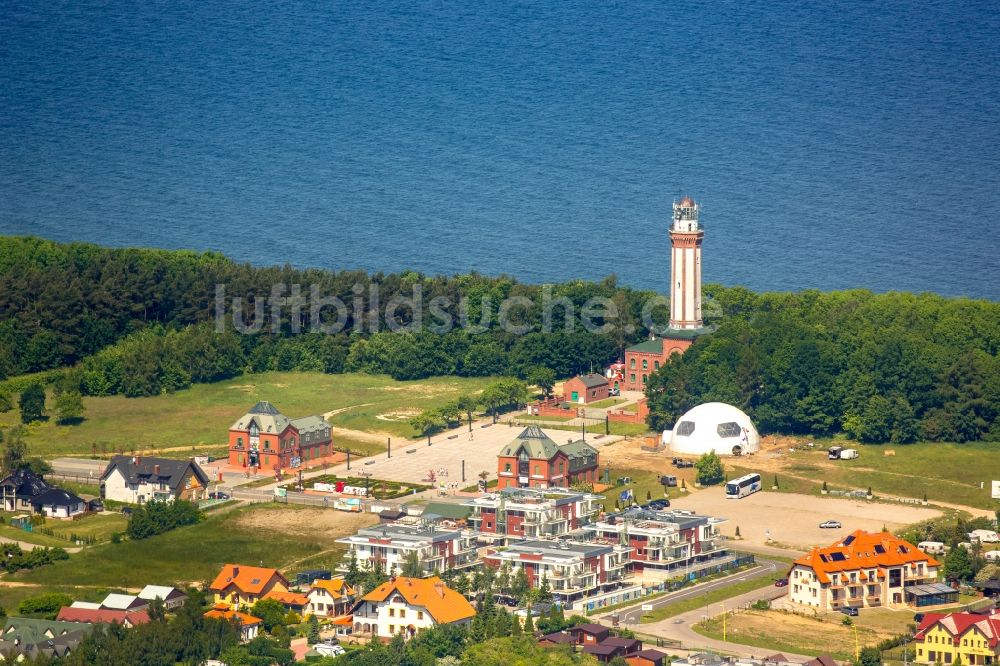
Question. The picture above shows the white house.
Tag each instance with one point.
(172, 597)
(137, 480)
(330, 598)
(407, 605)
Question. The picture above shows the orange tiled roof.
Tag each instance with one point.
(443, 603)
(863, 550)
(288, 598)
(250, 580)
(337, 587)
(244, 618)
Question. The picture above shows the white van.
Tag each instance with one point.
(848, 454)
(932, 547)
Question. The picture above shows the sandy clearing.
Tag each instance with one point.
(307, 522)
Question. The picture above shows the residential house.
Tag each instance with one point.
(123, 602)
(865, 569)
(532, 512)
(388, 546)
(584, 389)
(589, 634)
(31, 637)
(267, 439)
(602, 652)
(557, 638)
(946, 638)
(136, 480)
(240, 586)
(661, 541)
(572, 569)
(172, 597)
(406, 605)
(294, 602)
(330, 598)
(127, 619)
(534, 460)
(647, 657)
(23, 490)
(249, 625)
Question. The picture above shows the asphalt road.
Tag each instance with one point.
(764, 568)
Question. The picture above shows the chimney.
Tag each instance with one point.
(439, 588)
(156, 470)
(236, 571)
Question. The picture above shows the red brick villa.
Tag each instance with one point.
(267, 439)
(533, 460)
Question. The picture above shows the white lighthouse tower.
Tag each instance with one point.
(685, 266)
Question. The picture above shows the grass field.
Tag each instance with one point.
(607, 402)
(712, 597)
(643, 482)
(779, 631)
(255, 534)
(617, 428)
(944, 472)
(200, 417)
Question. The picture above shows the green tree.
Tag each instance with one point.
(312, 633)
(427, 423)
(271, 612)
(412, 567)
(6, 404)
(709, 469)
(958, 564)
(15, 451)
(69, 407)
(543, 378)
(529, 623)
(44, 605)
(468, 404)
(32, 403)
(870, 656)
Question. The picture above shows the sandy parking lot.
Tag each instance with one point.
(793, 520)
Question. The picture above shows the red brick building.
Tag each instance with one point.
(645, 358)
(267, 439)
(586, 388)
(533, 460)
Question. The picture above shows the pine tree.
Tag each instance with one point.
(529, 624)
(313, 633)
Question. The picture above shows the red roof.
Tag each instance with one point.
(99, 615)
(957, 624)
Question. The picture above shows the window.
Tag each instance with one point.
(632, 364)
(631, 377)
(560, 468)
(731, 429)
(506, 467)
(685, 428)
(420, 615)
(536, 470)
(645, 364)
(656, 365)
(392, 612)
(402, 612)
(644, 379)
(392, 628)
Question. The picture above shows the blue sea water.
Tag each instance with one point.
(832, 145)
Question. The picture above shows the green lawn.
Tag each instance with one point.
(607, 402)
(533, 417)
(188, 554)
(943, 471)
(717, 596)
(197, 419)
(33, 537)
(643, 482)
(100, 526)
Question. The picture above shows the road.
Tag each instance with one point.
(764, 568)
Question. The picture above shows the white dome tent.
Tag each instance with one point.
(714, 426)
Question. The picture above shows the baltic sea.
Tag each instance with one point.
(832, 145)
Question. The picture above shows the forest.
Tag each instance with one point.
(893, 367)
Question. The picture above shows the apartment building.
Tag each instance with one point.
(390, 545)
(531, 513)
(572, 569)
(661, 541)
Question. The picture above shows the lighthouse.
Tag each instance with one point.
(686, 235)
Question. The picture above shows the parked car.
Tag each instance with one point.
(781, 582)
(329, 649)
(668, 480)
(849, 610)
(830, 525)
(681, 463)
(95, 505)
(614, 391)
(219, 495)
(126, 511)
(657, 504)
